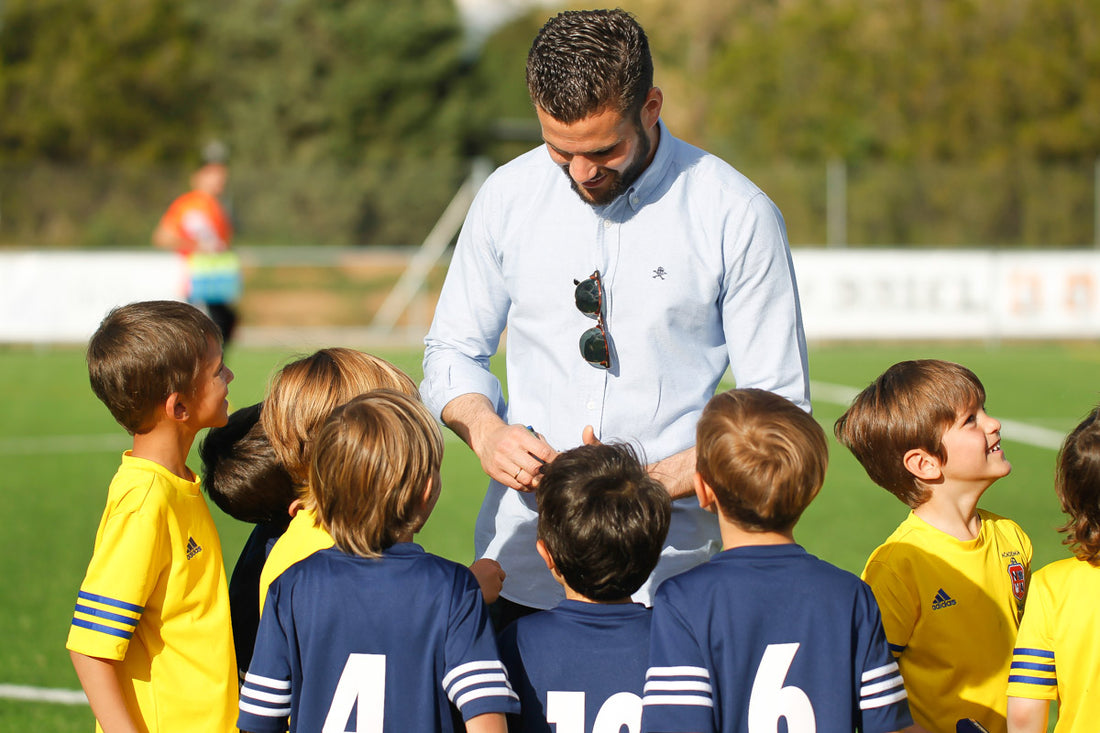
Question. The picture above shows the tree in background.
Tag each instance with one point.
(344, 110)
(352, 121)
(94, 82)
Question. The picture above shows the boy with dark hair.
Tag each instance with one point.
(374, 630)
(151, 631)
(243, 476)
(602, 523)
(1057, 653)
(952, 578)
(765, 630)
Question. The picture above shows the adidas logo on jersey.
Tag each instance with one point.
(942, 600)
(193, 548)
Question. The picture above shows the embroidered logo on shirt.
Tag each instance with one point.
(1016, 573)
(660, 273)
(193, 548)
(942, 600)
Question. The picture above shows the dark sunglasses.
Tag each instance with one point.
(589, 297)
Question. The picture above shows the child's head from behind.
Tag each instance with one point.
(1077, 482)
(602, 519)
(909, 407)
(762, 456)
(304, 393)
(375, 471)
(241, 472)
(143, 353)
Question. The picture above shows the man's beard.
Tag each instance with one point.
(619, 181)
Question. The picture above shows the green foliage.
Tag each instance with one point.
(92, 82)
(352, 121)
(950, 80)
(355, 116)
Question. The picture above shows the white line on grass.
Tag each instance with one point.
(1011, 430)
(42, 694)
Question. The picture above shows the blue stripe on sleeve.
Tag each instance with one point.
(103, 629)
(1034, 666)
(1032, 680)
(1033, 652)
(105, 615)
(110, 602)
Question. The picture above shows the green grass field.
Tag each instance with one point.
(59, 448)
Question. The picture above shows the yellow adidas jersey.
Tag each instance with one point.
(1057, 654)
(951, 609)
(156, 600)
(303, 537)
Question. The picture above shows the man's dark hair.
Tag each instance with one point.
(241, 473)
(603, 519)
(585, 61)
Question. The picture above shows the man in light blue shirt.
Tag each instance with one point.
(671, 264)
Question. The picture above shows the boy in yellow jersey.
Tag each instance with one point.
(300, 398)
(150, 638)
(1057, 654)
(952, 578)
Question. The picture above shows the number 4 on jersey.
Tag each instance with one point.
(363, 681)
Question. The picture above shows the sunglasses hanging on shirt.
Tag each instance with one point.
(593, 342)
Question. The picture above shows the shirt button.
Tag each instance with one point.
(634, 200)
(591, 405)
(606, 223)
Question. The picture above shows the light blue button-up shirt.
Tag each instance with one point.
(697, 276)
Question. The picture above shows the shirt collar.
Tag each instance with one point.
(642, 190)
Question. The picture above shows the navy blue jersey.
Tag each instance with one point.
(373, 644)
(764, 633)
(244, 587)
(579, 667)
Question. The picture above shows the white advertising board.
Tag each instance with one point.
(60, 297)
(933, 294)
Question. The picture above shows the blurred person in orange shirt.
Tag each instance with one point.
(198, 227)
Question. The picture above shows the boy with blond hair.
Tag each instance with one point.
(374, 632)
(1057, 653)
(764, 630)
(602, 523)
(299, 399)
(151, 631)
(301, 396)
(952, 578)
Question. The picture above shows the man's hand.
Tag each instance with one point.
(675, 473)
(514, 456)
(509, 454)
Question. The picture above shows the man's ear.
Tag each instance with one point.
(704, 493)
(922, 464)
(651, 107)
